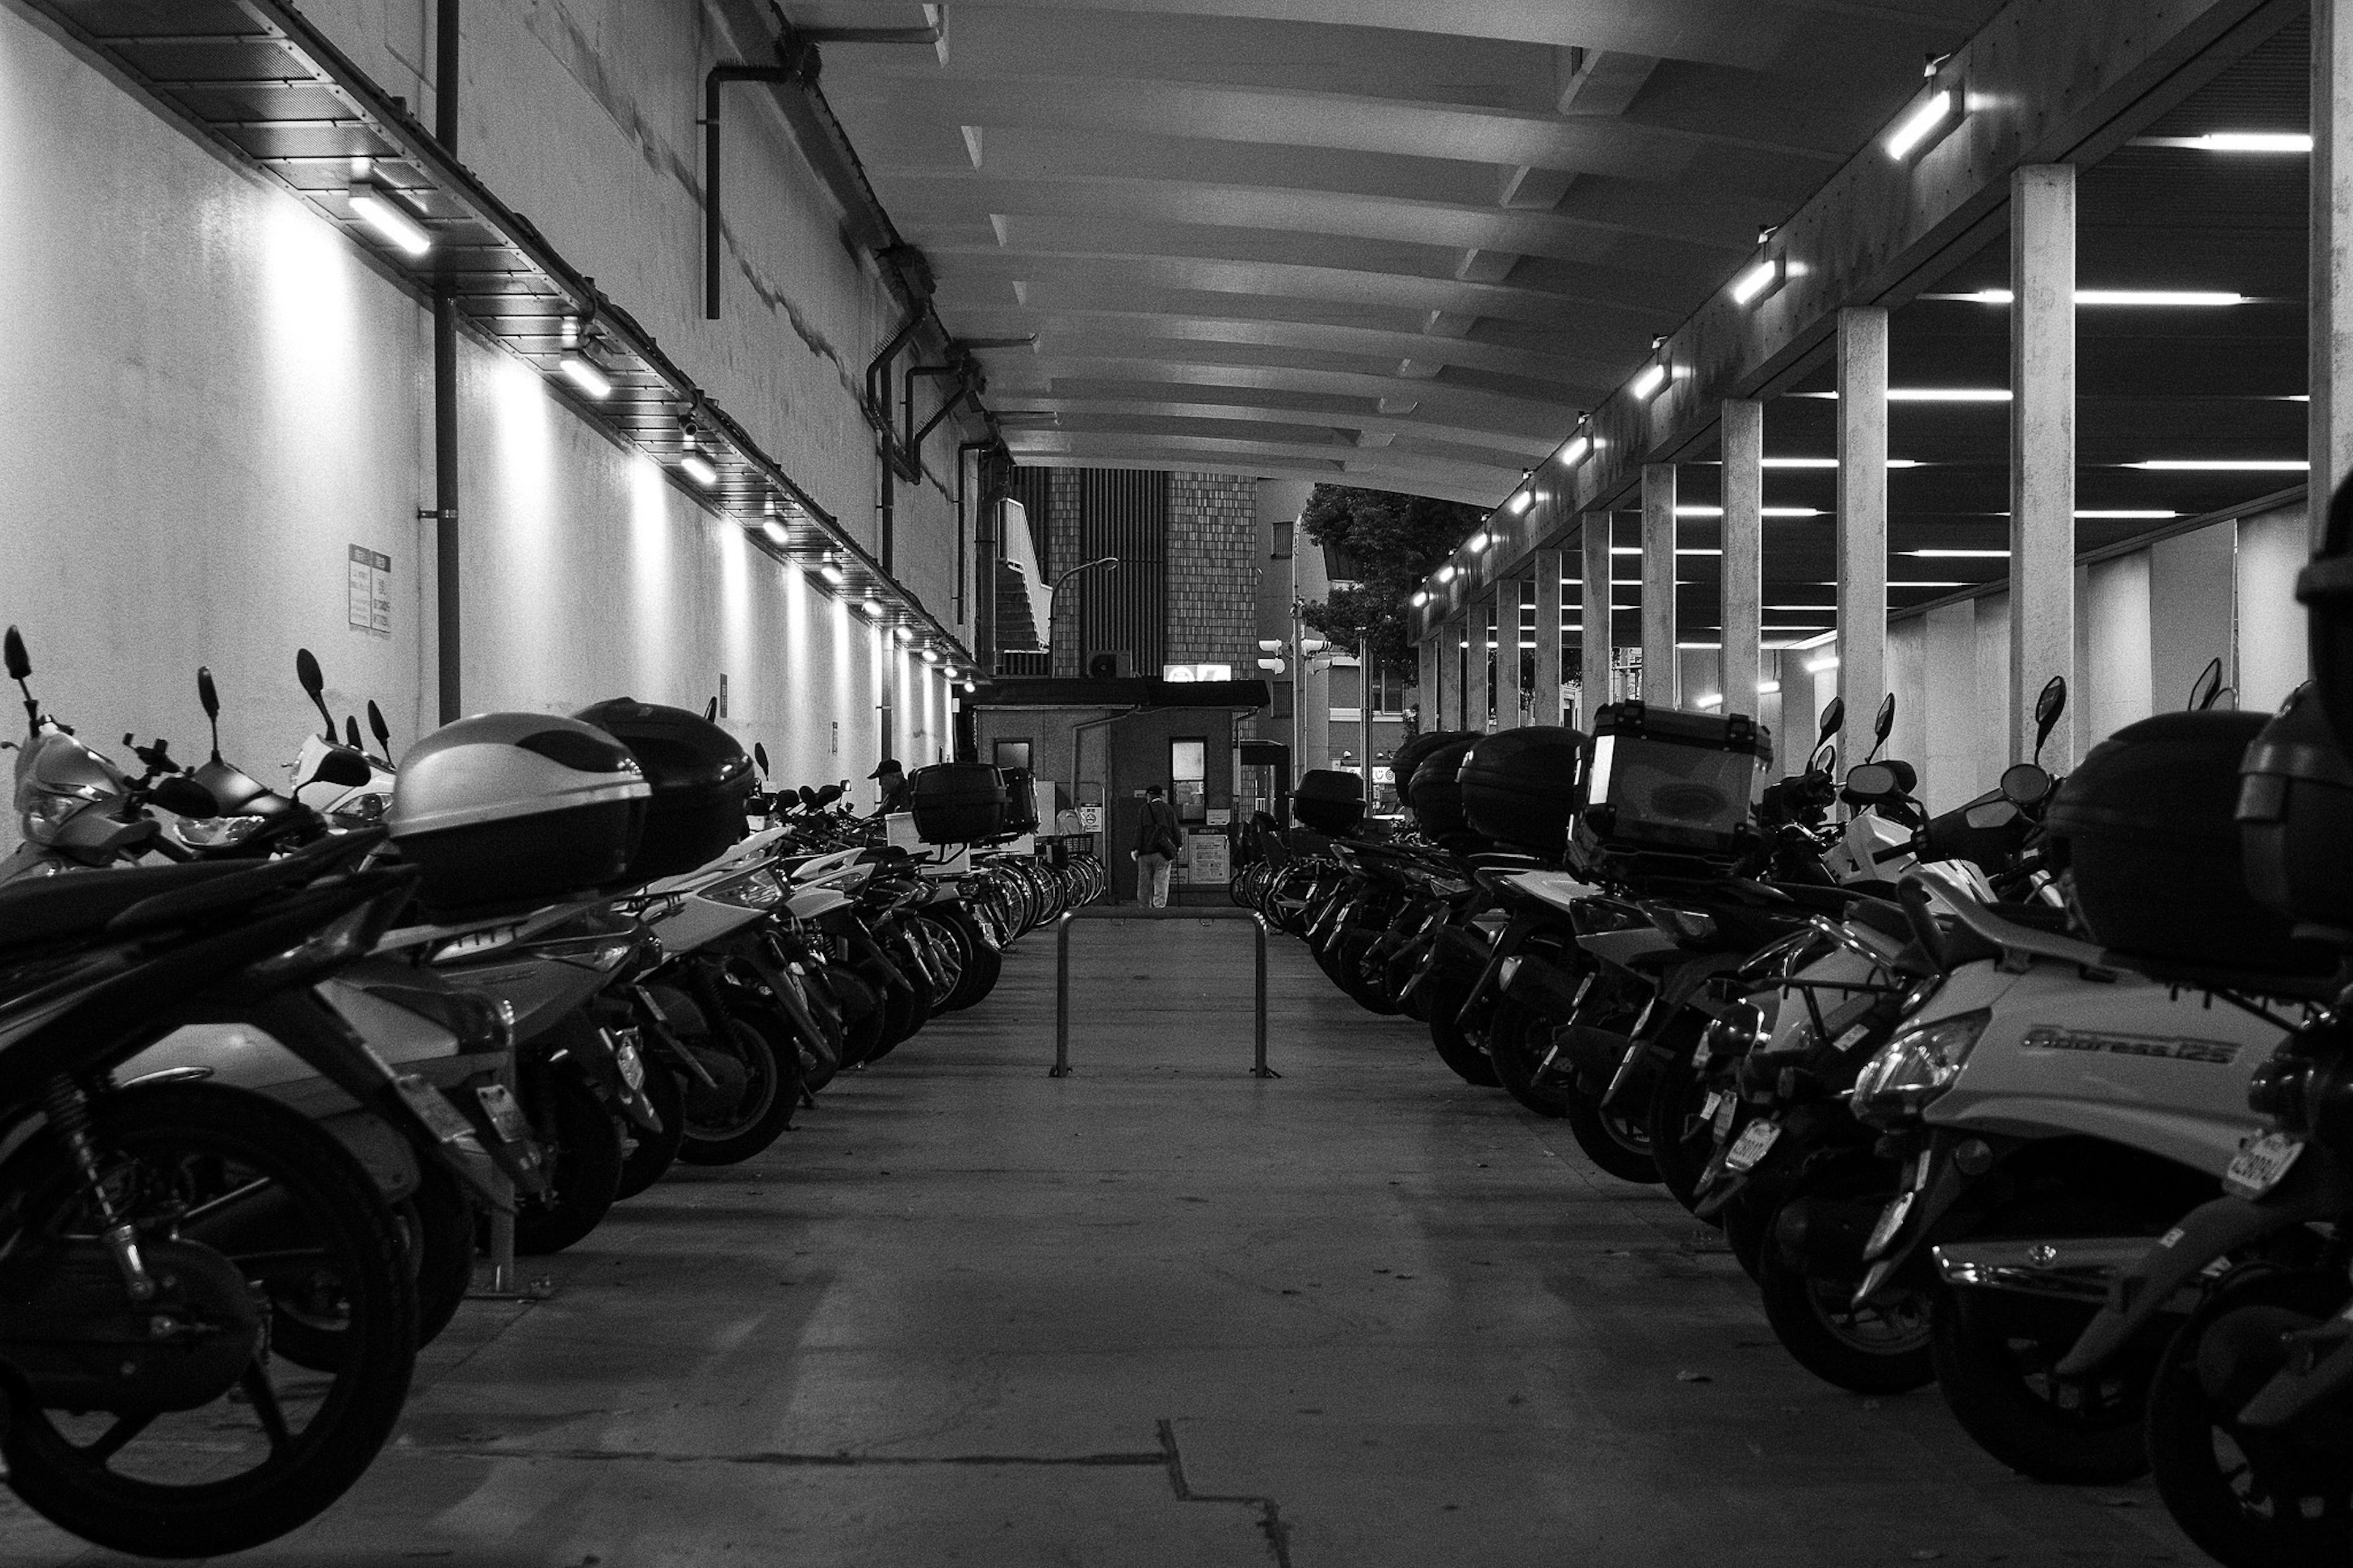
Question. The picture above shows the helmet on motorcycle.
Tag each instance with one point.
(72, 800)
(700, 776)
(513, 810)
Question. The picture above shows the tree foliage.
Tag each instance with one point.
(1390, 543)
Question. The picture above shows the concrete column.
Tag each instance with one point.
(2041, 447)
(1594, 641)
(1450, 675)
(1510, 593)
(1658, 683)
(1548, 677)
(1478, 618)
(1862, 522)
(2330, 338)
(1743, 442)
(1425, 690)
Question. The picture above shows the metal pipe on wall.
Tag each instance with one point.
(447, 596)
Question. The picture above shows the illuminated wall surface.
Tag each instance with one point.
(216, 397)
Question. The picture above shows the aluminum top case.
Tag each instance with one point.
(1667, 781)
(511, 811)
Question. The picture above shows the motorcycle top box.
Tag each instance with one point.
(2147, 827)
(1519, 786)
(1327, 800)
(2296, 817)
(515, 810)
(1434, 790)
(957, 803)
(700, 778)
(1664, 780)
(1020, 800)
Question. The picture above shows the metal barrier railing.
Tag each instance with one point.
(1061, 1067)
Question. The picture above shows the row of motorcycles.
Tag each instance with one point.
(2046, 1099)
(276, 1064)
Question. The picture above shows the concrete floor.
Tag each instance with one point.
(1164, 1315)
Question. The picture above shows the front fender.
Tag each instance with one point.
(2316, 1188)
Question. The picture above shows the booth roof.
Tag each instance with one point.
(1135, 691)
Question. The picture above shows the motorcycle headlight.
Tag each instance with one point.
(1915, 1067)
(752, 890)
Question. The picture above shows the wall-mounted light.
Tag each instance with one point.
(772, 525)
(929, 656)
(902, 634)
(1763, 276)
(690, 461)
(1446, 573)
(873, 607)
(969, 688)
(830, 570)
(1420, 597)
(1481, 540)
(1653, 376)
(1579, 447)
(1932, 116)
(382, 210)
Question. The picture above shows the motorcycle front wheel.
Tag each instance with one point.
(300, 1221)
(1994, 1351)
(583, 1145)
(771, 1062)
(1880, 1349)
(645, 1156)
(1517, 1039)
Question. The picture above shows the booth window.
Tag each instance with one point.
(1189, 770)
(1012, 753)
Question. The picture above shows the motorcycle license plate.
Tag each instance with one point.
(1708, 1107)
(2258, 1167)
(1756, 1140)
(506, 1116)
(1727, 1107)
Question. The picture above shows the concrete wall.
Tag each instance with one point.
(218, 395)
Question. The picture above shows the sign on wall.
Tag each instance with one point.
(368, 596)
(1090, 819)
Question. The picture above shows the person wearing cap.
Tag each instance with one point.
(895, 788)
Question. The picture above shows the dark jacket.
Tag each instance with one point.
(1158, 834)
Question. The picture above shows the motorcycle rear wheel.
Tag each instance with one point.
(1994, 1351)
(582, 1144)
(2248, 1501)
(173, 1147)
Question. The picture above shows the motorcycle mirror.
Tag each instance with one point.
(184, 796)
(760, 758)
(1882, 724)
(829, 794)
(208, 698)
(2025, 783)
(351, 732)
(1907, 777)
(710, 711)
(314, 682)
(348, 768)
(2207, 689)
(380, 729)
(2051, 703)
(1825, 759)
(20, 663)
(1992, 813)
(1870, 781)
(808, 797)
(1833, 719)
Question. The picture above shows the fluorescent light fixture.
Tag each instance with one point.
(1801, 609)
(1446, 573)
(1479, 541)
(1816, 641)
(1913, 127)
(872, 608)
(1420, 597)
(831, 572)
(970, 689)
(929, 656)
(1960, 555)
(2225, 465)
(2190, 299)
(1698, 646)
(382, 211)
(2234, 142)
(1766, 687)
(1576, 451)
(1520, 502)
(585, 372)
(1757, 280)
(1653, 377)
(1831, 462)
(697, 467)
(1829, 661)
(1931, 394)
(1918, 583)
(1710, 700)
(775, 530)
(1695, 511)
(2118, 514)
(902, 634)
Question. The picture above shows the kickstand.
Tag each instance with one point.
(809, 1100)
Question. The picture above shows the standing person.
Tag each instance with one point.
(1157, 841)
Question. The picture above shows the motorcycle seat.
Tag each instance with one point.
(38, 911)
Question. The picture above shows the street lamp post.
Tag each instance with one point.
(1055, 587)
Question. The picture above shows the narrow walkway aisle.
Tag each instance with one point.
(1161, 1313)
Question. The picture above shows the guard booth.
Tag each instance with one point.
(1262, 781)
(1111, 739)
